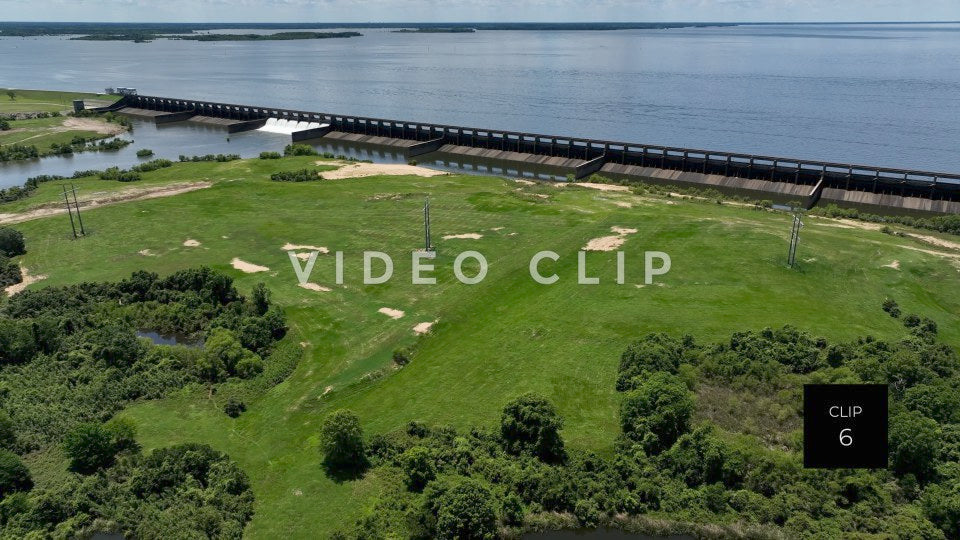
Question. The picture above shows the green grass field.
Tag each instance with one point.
(42, 133)
(44, 100)
(493, 340)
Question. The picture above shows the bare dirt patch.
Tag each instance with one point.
(27, 280)
(314, 287)
(609, 243)
(363, 170)
(146, 253)
(190, 242)
(423, 328)
(895, 265)
(602, 187)
(841, 223)
(297, 247)
(104, 199)
(246, 267)
(464, 236)
(390, 312)
(939, 242)
(92, 124)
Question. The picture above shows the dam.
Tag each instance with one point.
(762, 177)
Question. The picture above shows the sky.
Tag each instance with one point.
(478, 10)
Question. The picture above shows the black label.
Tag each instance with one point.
(845, 426)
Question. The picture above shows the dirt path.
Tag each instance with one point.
(362, 170)
(105, 199)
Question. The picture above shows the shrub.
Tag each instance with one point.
(341, 440)
(418, 468)
(657, 413)
(270, 155)
(234, 408)
(530, 423)
(144, 152)
(891, 307)
(90, 447)
(915, 442)
(9, 272)
(14, 475)
(401, 356)
(463, 511)
(303, 175)
(4, 125)
(299, 150)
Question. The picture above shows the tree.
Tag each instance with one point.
(941, 504)
(915, 442)
(12, 95)
(657, 412)
(418, 467)
(11, 242)
(530, 423)
(261, 298)
(14, 475)
(465, 511)
(90, 446)
(341, 440)
(8, 433)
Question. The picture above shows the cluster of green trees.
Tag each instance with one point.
(184, 491)
(4, 125)
(270, 155)
(222, 158)
(11, 245)
(671, 470)
(70, 357)
(133, 174)
(302, 175)
(144, 153)
(72, 354)
(16, 152)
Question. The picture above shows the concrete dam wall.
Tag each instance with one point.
(764, 176)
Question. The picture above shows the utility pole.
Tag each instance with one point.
(426, 225)
(66, 199)
(794, 240)
(77, 205)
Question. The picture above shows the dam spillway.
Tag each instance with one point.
(810, 182)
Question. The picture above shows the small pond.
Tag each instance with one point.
(169, 339)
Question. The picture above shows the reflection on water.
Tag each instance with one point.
(167, 141)
(169, 339)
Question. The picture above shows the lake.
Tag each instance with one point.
(886, 95)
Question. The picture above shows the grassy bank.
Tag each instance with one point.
(43, 100)
(491, 341)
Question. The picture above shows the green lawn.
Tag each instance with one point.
(42, 133)
(494, 340)
(44, 100)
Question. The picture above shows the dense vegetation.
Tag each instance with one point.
(221, 158)
(70, 357)
(279, 36)
(949, 223)
(667, 466)
(71, 354)
(302, 175)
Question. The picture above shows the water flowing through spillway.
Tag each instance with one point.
(278, 125)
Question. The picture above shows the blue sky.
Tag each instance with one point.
(478, 10)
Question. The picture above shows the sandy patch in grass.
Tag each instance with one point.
(390, 312)
(602, 187)
(146, 253)
(895, 265)
(464, 236)
(609, 243)
(303, 256)
(246, 267)
(190, 242)
(27, 280)
(105, 199)
(423, 328)
(496, 229)
(362, 170)
(297, 247)
(623, 204)
(524, 182)
(92, 124)
(939, 242)
(314, 287)
(848, 224)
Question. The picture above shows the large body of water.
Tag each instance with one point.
(886, 95)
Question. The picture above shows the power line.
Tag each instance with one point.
(83, 232)
(794, 240)
(66, 200)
